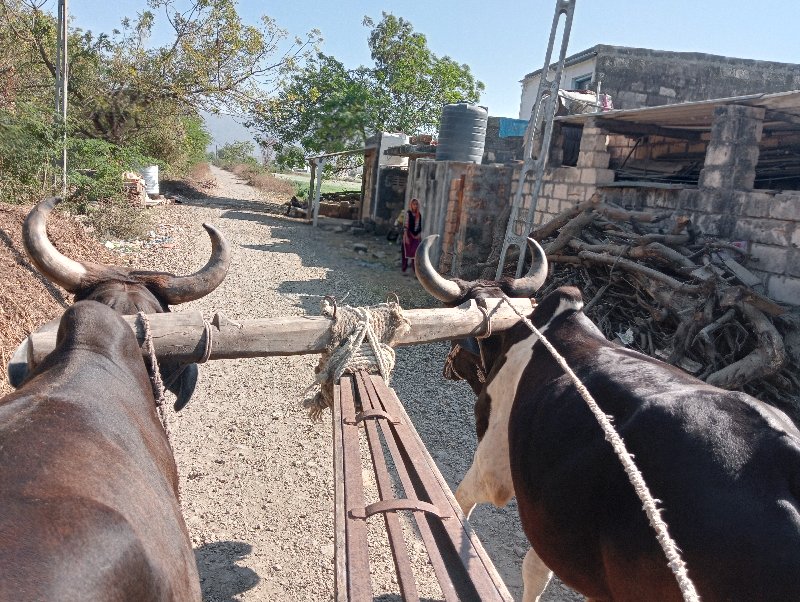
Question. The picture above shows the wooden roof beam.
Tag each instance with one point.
(629, 128)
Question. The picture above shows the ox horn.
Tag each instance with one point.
(537, 274)
(56, 267)
(443, 289)
(180, 289)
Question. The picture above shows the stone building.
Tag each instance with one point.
(640, 77)
(732, 166)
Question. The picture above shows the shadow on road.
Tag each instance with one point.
(220, 577)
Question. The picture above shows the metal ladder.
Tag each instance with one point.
(520, 222)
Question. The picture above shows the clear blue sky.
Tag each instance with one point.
(502, 40)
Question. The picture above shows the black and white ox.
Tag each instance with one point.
(125, 290)
(725, 465)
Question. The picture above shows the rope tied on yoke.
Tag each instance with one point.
(155, 375)
(361, 339)
(649, 504)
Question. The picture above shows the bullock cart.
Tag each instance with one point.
(366, 415)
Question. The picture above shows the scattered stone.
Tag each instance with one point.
(360, 248)
(357, 231)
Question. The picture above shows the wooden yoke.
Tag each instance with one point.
(182, 335)
(462, 567)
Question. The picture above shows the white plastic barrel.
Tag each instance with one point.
(150, 175)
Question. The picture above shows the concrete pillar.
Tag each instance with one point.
(732, 152)
(594, 147)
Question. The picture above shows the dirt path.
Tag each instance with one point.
(255, 472)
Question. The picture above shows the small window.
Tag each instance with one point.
(582, 82)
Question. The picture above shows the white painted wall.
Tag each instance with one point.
(531, 85)
(387, 141)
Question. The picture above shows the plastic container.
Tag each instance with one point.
(462, 133)
(150, 175)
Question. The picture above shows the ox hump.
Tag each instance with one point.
(564, 300)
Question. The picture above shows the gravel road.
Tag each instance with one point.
(256, 473)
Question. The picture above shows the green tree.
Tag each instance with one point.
(290, 157)
(323, 108)
(327, 108)
(122, 90)
(240, 151)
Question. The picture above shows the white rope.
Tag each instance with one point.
(361, 340)
(676, 563)
(155, 375)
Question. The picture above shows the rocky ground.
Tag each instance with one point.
(256, 473)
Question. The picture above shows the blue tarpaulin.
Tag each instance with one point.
(512, 127)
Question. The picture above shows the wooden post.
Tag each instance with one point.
(182, 335)
(312, 163)
(62, 79)
(320, 165)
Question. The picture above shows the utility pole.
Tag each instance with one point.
(62, 77)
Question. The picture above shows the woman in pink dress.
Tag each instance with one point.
(412, 234)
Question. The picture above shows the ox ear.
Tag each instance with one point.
(184, 386)
(464, 363)
(18, 369)
(18, 365)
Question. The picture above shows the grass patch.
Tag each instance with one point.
(301, 184)
(262, 179)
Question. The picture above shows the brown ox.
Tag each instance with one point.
(725, 465)
(88, 486)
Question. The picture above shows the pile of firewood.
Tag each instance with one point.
(659, 286)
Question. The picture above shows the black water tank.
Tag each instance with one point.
(462, 133)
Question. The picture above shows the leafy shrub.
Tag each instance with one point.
(96, 168)
(28, 145)
(119, 219)
(301, 190)
(96, 186)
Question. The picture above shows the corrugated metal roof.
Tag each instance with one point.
(782, 113)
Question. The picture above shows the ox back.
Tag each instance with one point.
(88, 485)
(725, 466)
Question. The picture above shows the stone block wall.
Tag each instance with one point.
(640, 77)
(501, 150)
(463, 202)
(564, 187)
(622, 148)
(476, 200)
(724, 205)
